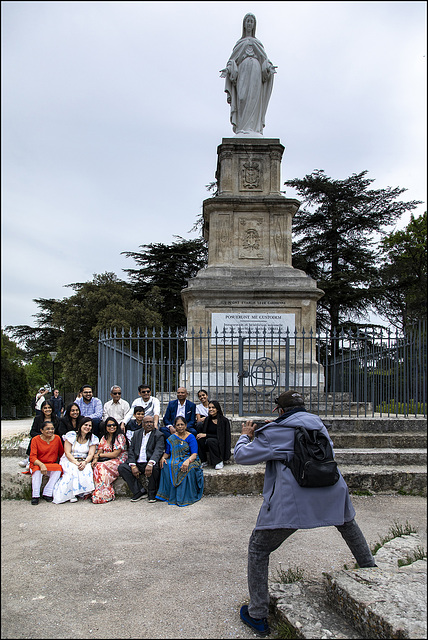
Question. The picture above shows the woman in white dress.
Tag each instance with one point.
(79, 449)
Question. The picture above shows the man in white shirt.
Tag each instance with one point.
(150, 404)
(144, 453)
(116, 407)
(40, 398)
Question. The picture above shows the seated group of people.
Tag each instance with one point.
(83, 461)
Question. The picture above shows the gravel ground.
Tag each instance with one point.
(139, 570)
(15, 427)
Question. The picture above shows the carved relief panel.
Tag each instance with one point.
(222, 252)
(250, 174)
(278, 238)
(251, 238)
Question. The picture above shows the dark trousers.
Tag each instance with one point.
(264, 541)
(135, 484)
(211, 446)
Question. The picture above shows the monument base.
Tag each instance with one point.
(249, 299)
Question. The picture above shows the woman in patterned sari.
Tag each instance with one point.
(112, 451)
(182, 480)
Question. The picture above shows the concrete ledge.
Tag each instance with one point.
(379, 456)
(384, 602)
(237, 479)
(303, 606)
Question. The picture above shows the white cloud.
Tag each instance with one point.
(113, 111)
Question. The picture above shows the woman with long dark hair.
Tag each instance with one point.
(214, 437)
(69, 420)
(112, 451)
(79, 449)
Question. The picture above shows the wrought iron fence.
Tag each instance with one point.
(366, 373)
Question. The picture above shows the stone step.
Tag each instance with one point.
(379, 456)
(380, 440)
(303, 606)
(348, 424)
(408, 447)
(390, 457)
(240, 479)
(337, 408)
(383, 602)
(372, 440)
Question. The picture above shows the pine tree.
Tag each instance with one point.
(403, 274)
(167, 267)
(335, 240)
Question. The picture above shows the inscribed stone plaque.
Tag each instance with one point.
(273, 325)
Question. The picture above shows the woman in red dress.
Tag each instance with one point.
(46, 449)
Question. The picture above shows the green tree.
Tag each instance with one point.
(14, 383)
(335, 242)
(71, 326)
(39, 372)
(167, 267)
(403, 274)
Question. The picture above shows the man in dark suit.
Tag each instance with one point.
(145, 451)
(180, 407)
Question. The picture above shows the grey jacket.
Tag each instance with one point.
(286, 504)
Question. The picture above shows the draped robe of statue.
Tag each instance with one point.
(249, 80)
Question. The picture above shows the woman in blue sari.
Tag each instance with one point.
(182, 480)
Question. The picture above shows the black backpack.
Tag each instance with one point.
(313, 464)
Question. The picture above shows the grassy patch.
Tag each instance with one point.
(401, 407)
(292, 574)
(418, 554)
(395, 531)
(412, 492)
(284, 630)
(362, 492)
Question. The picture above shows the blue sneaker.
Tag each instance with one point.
(260, 626)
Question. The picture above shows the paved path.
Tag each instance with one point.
(125, 570)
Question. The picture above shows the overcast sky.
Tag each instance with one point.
(112, 113)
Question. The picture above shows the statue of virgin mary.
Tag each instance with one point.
(249, 81)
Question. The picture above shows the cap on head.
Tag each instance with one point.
(289, 398)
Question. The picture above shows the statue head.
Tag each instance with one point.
(252, 18)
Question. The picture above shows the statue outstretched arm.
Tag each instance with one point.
(231, 70)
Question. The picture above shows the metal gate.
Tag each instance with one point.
(272, 362)
(348, 373)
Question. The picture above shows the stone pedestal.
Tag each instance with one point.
(248, 229)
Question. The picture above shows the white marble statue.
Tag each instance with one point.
(249, 80)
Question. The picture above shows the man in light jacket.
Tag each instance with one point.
(287, 506)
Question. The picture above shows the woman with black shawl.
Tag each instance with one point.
(214, 437)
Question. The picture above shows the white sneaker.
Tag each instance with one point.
(220, 465)
(204, 464)
(73, 499)
(25, 463)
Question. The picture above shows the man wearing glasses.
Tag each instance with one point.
(90, 407)
(116, 407)
(150, 404)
